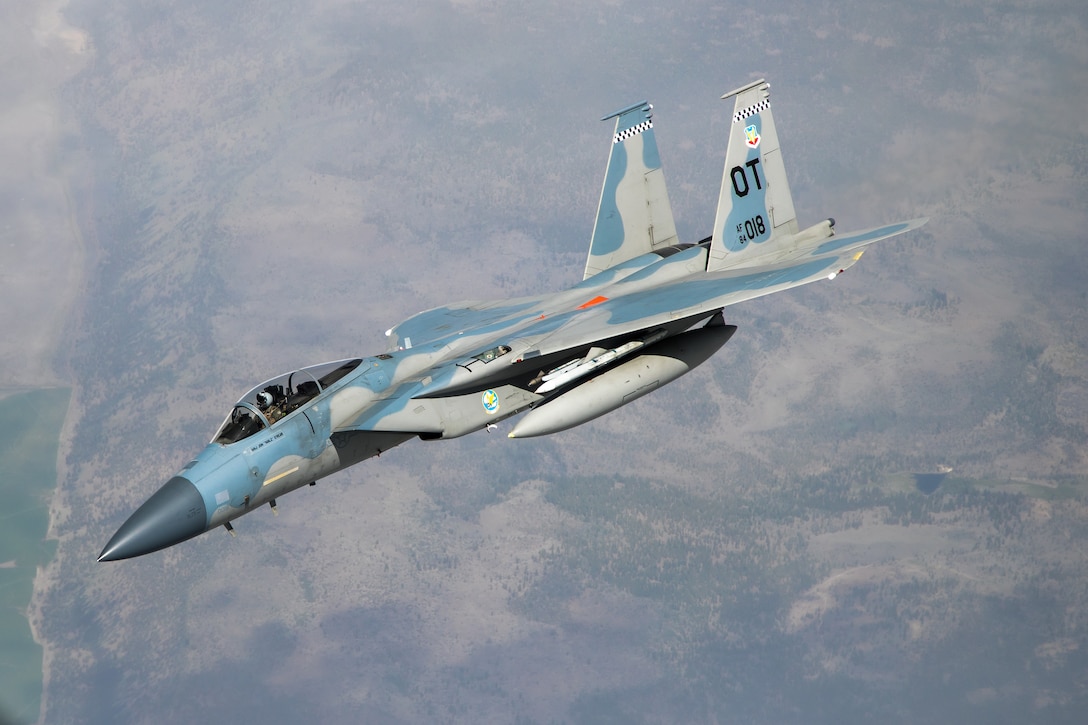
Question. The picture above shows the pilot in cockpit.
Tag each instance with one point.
(267, 404)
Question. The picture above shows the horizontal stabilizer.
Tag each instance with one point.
(843, 243)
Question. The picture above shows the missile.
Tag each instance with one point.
(657, 365)
(578, 368)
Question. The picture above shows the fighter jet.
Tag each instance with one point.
(648, 309)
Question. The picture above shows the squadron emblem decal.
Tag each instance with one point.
(490, 401)
(752, 136)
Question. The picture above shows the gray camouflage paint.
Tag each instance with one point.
(435, 382)
(634, 215)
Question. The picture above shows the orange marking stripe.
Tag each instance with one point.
(595, 301)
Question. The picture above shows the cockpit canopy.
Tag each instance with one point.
(277, 398)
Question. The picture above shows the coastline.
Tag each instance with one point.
(45, 577)
(49, 252)
(34, 421)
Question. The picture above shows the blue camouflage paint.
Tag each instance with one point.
(371, 407)
(631, 116)
(395, 403)
(240, 468)
(649, 271)
(620, 271)
(692, 293)
(443, 322)
(750, 206)
(608, 236)
(208, 475)
(650, 156)
(836, 243)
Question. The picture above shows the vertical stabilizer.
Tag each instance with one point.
(634, 216)
(755, 219)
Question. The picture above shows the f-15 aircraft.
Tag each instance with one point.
(648, 310)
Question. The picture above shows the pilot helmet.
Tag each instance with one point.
(264, 399)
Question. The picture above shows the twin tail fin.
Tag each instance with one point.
(755, 220)
(755, 223)
(634, 216)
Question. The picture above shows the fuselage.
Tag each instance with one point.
(453, 370)
(646, 312)
(327, 417)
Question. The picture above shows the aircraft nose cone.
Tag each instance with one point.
(174, 513)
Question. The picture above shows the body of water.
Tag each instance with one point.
(30, 425)
(928, 482)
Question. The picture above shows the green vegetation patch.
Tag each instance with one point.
(31, 425)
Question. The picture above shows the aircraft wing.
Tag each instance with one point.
(844, 243)
(639, 289)
(687, 298)
(447, 320)
(551, 337)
